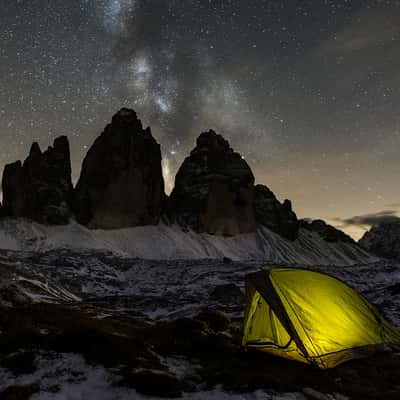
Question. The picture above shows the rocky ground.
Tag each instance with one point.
(93, 325)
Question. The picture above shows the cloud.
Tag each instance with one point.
(394, 205)
(365, 220)
(369, 30)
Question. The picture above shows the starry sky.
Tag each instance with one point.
(307, 91)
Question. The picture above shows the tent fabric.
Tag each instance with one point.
(311, 317)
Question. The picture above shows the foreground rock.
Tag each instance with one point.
(327, 232)
(383, 240)
(146, 356)
(121, 183)
(40, 189)
(278, 217)
(214, 190)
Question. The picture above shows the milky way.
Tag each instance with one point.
(307, 91)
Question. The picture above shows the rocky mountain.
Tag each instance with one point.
(214, 189)
(121, 185)
(279, 217)
(121, 182)
(383, 240)
(327, 232)
(40, 188)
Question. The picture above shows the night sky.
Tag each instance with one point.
(307, 91)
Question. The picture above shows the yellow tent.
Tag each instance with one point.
(311, 317)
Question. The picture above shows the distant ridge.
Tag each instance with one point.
(383, 239)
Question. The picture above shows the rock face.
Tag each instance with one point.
(383, 240)
(40, 189)
(327, 232)
(13, 191)
(214, 190)
(121, 183)
(278, 217)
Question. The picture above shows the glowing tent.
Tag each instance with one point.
(311, 317)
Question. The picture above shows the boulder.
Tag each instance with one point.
(216, 320)
(121, 182)
(227, 294)
(214, 190)
(41, 188)
(154, 383)
(327, 232)
(278, 217)
(20, 392)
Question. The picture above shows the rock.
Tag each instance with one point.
(16, 392)
(278, 217)
(154, 383)
(383, 239)
(11, 295)
(214, 190)
(315, 395)
(227, 294)
(394, 289)
(20, 363)
(327, 232)
(41, 188)
(12, 184)
(216, 320)
(121, 182)
(202, 351)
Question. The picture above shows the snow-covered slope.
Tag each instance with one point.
(166, 242)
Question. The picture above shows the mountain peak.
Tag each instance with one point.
(121, 183)
(41, 188)
(35, 150)
(212, 141)
(214, 189)
(383, 239)
(326, 231)
(126, 117)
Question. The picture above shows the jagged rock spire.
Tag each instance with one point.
(121, 182)
(213, 189)
(40, 189)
